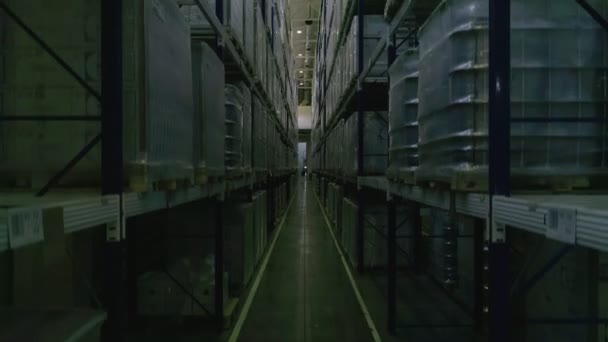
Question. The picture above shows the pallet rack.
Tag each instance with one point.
(22, 220)
(572, 219)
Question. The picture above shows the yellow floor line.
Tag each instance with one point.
(368, 317)
(254, 288)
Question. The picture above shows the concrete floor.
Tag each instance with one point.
(305, 294)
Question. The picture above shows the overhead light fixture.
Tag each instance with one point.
(302, 84)
(301, 71)
(300, 55)
(299, 31)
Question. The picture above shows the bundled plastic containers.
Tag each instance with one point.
(403, 115)
(158, 106)
(209, 111)
(559, 63)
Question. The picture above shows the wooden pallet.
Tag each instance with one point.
(140, 180)
(459, 181)
(559, 184)
(476, 182)
(204, 176)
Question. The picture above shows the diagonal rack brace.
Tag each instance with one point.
(593, 13)
(50, 51)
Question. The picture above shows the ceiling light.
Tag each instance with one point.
(300, 55)
(299, 31)
(301, 71)
(301, 84)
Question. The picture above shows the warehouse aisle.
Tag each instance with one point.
(305, 293)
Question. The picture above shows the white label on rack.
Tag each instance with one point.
(25, 227)
(561, 225)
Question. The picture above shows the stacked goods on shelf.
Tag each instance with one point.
(261, 46)
(246, 145)
(234, 127)
(260, 205)
(158, 113)
(557, 62)
(249, 31)
(234, 19)
(346, 70)
(238, 235)
(375, 144)
(209, 112)
(259, 124)
(403, 117)
(374, 29)
(335, 149)
(349, 229)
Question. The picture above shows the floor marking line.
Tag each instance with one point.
(368, 317)
(254, 288)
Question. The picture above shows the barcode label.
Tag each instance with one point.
(25, 227)
(561, 225)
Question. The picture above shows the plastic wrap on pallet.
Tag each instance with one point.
(261, 45)
(246, 144)
(375, 143)
(557, 57)
(259, 133)
(234, 19)
(249, 37)
(234, 127)
(374, 29)
(403, 113)
(157, 93)
(238, 235)
(209, 111)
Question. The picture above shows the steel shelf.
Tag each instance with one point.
(85, 210)
(80, 210)
(530, 213)
(471, 204)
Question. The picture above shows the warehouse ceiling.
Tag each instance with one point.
(304, 15)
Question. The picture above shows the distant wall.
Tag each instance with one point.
(304, 117)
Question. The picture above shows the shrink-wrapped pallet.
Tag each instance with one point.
(246, 144)
(238, 235)
(157, 97)
(209, 112)
(234, 19)
(558, 72)
(374, 30)
(259, 134)
(249, 37)
(234, 127)
(403, 114)
(261, 45)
